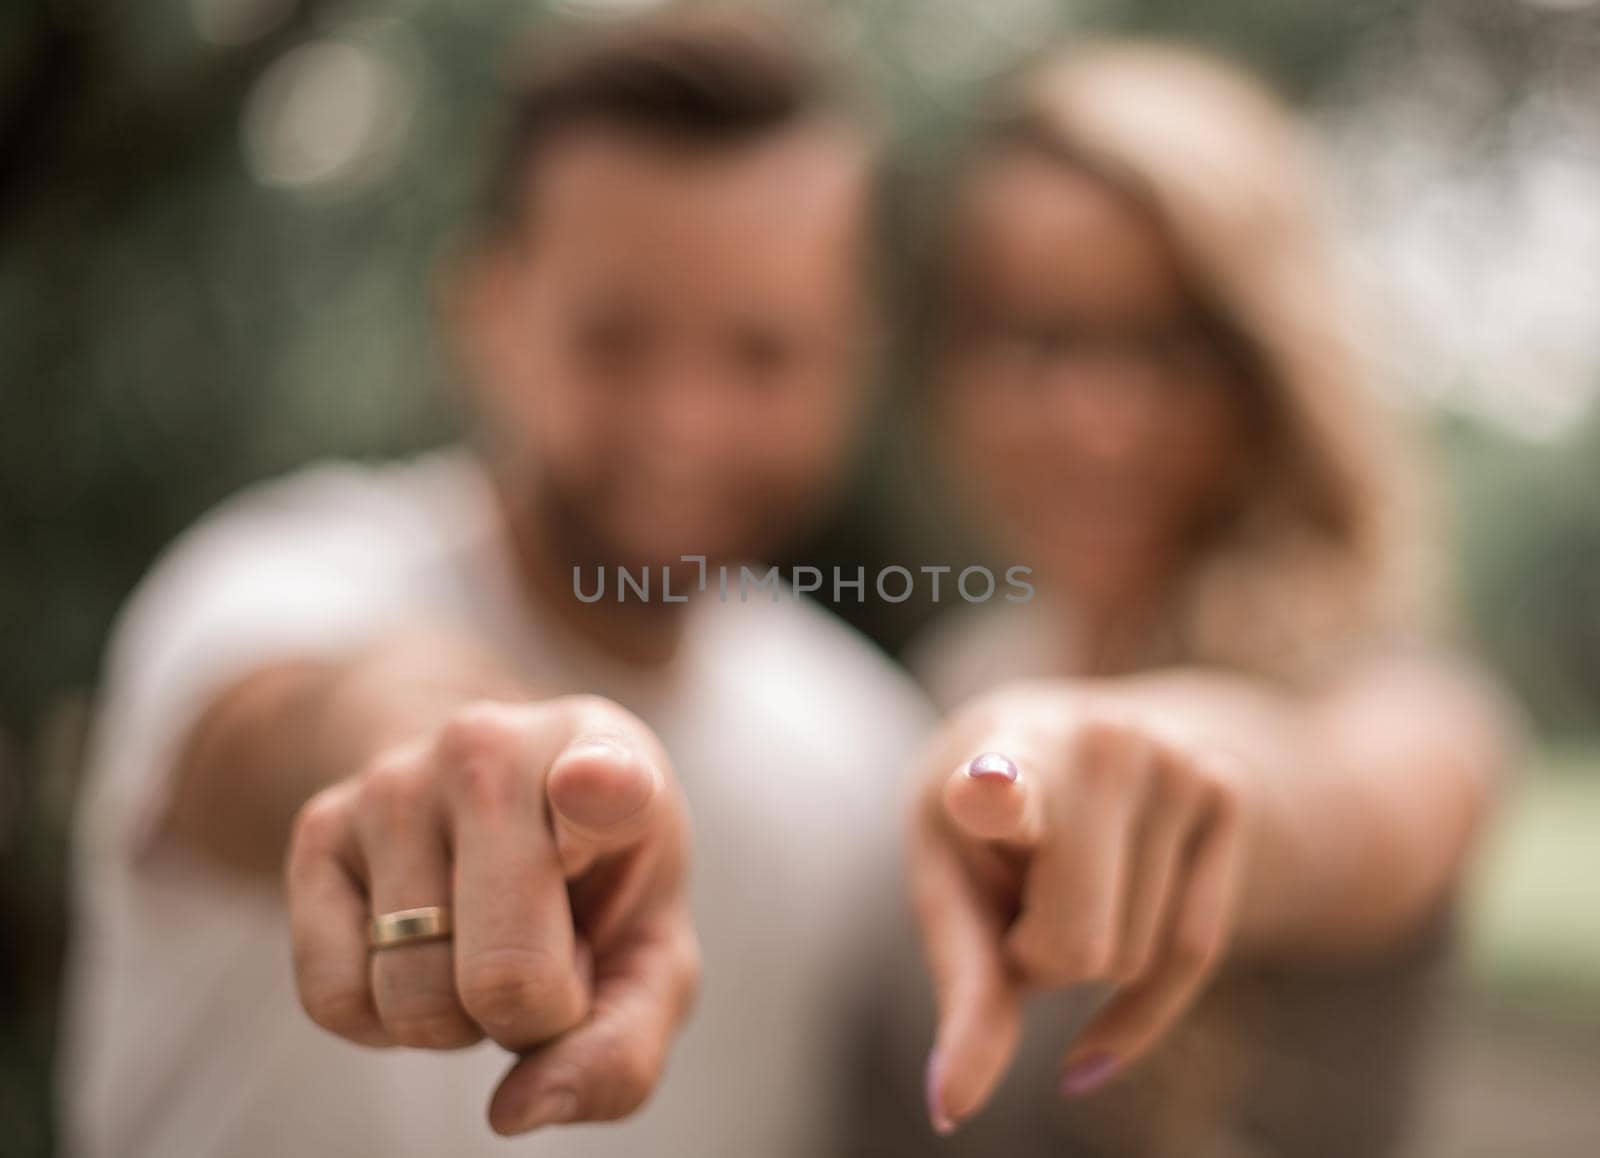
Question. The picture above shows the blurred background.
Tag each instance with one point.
(219, 226)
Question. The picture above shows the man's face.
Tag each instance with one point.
(668, 351)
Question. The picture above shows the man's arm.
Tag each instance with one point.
(272, 739)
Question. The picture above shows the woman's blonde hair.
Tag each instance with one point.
(1327, 548)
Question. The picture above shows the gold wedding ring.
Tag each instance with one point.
(408, 926)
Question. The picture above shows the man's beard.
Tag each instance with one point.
(563, 527)
(566, 528)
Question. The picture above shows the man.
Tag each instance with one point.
(662, 328)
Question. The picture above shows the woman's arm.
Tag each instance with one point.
(1366, 796)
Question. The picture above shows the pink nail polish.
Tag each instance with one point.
(992, 766)
(1088, 1074)
(943, 1124)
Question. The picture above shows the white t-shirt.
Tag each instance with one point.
(789, 733)
(973, 650)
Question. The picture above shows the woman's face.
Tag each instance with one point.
(1082, 395)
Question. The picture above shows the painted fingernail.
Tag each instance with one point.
(992, 766)
(1088, 1074)
(932, 1087)
(550, 1108)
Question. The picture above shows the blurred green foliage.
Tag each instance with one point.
(1529, 537)
(1540, 866)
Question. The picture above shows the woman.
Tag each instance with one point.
(1237, 783)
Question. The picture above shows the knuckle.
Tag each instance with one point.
(1194, 949)
(1215, 763)
(1063, 961)
(1223, 794)
(636, 1078)
(629, 1075)
(1088, 959)
(392, 783)
(436, 1028)
(500, 993)
(419, 1009)
(1107, 735)
(1176, 782)
(319, 825)
(483, 731)
(1110, 753)
(1215, 788)
(343, 1010)
(509, 992)
(1131, 963)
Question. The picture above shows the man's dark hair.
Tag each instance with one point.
(700, 77)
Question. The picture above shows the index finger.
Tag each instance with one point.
(979, 1006)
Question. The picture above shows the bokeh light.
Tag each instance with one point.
(331, 113)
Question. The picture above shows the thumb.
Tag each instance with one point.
(604, 797)
(979, 1005)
